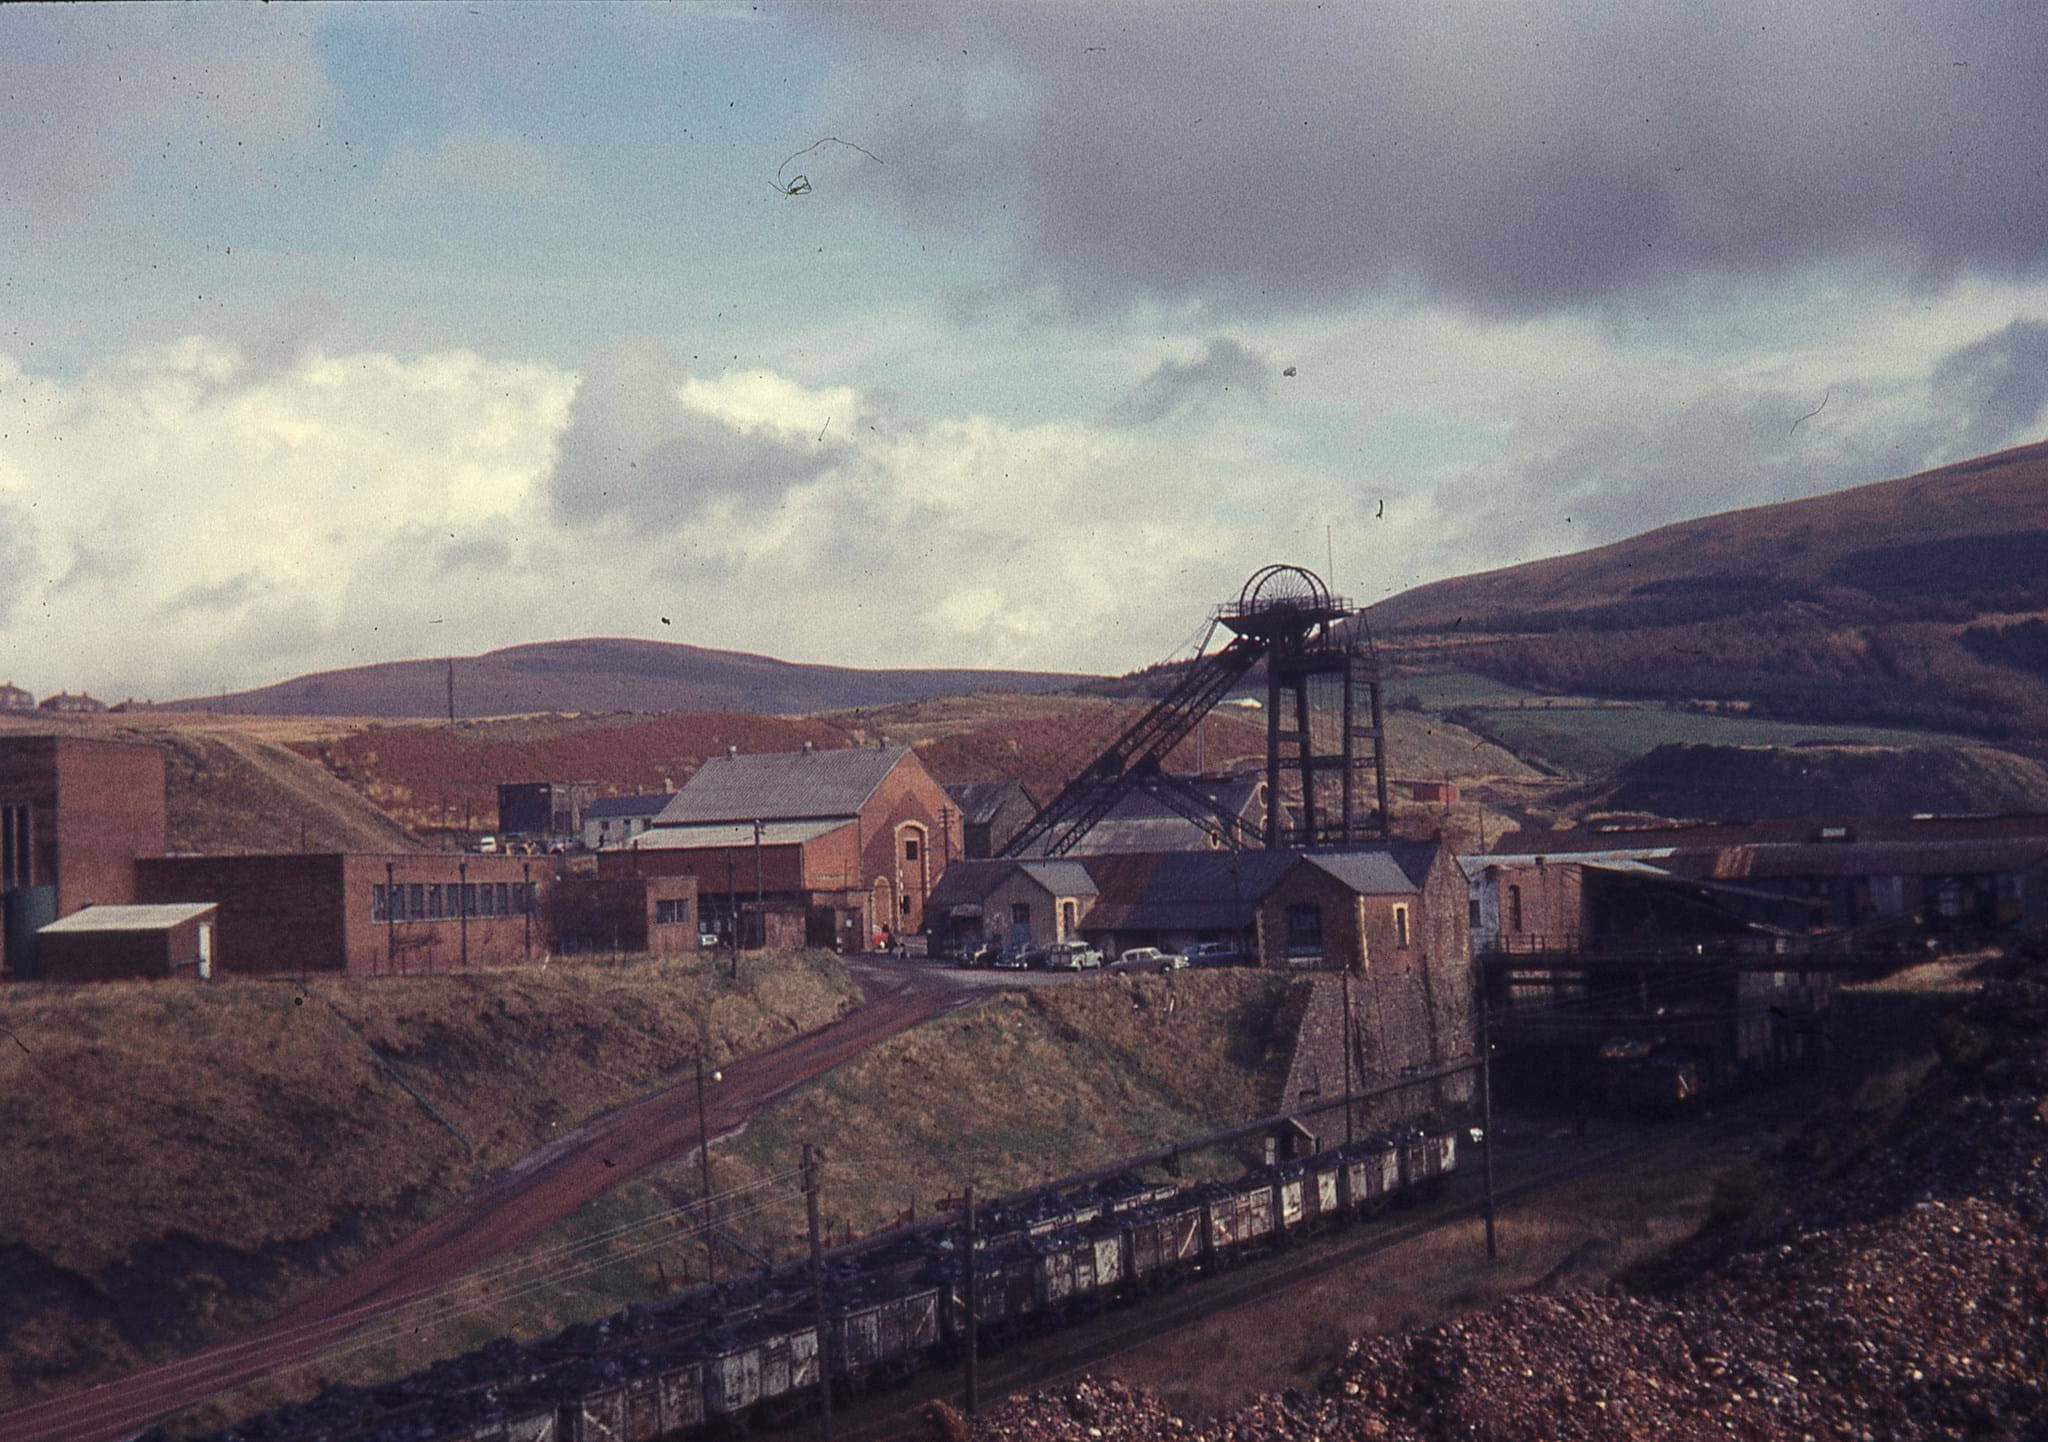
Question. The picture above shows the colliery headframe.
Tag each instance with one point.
(1326, 777)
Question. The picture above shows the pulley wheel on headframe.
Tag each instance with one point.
(1282, 599)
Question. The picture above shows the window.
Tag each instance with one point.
(1401, 927)
(380, 904)
(1474, 913)
(672, 913)
(433, 901)
(1020, 913)
(16, 867)
(416, 902)
(504, 898)
(1305, 928)
(469, 899)
(910, 848)
(1514, 908)
(906, 906)
(488, 895)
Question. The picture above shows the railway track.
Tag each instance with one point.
(1044, 1362)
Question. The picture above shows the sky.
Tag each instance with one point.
(921, 335)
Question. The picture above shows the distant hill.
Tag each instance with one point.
(1921, 601)
(609, 675)
(1764, 783)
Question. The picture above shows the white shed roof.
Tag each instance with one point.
(160, 917)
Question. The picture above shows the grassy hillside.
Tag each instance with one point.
(1015, 1089)
(1918, 601)
(177, 1161)
(606, 674)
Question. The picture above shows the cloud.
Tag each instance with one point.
(179, 90)
(1176, 385)
(1514, 159)
(1994, 390)
(643, 446)
(481, 163)
(214, 597)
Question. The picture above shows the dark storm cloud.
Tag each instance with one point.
(1994, 390)
(1225, 366)
(633, 449)
(1515, 158)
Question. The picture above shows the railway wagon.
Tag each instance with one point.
(589, 1399)
(757, 1365)
(888, 1326)
(1235, 1218)
(1428, 1156)
(1165, 1241)
(665, 1400)
(1372, 1172)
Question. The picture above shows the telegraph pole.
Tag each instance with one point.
(462, 904)
(732, 907)
(760, 917)
(526, 903)
(1486, 1122)
(391, 914)
(818, 1292)
(704, 1167)
(1349, 1106)
(973, 1311)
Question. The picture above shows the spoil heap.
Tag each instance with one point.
(1897, 1289)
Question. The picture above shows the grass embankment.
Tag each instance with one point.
(1006, 1093)
(176, 1162)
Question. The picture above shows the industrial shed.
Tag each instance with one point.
(845, 837)
(131, 943)
(625, 915)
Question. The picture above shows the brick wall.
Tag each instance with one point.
(315, 912)
(622, 914)
(906, 805)
(83, 956)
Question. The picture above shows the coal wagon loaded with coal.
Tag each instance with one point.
(747, 1353)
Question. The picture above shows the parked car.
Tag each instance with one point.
(1013, 959)
(1071, 956)
(706, 940)
(1151, 958)
(981, 955)
(487, 845)
(1216, 953)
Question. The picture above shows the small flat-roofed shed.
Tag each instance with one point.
(124, 943)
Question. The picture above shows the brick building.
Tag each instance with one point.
(75, 814)
(629, 915)
(131, 943)
(543, 810)
(361, 913)
(610, 820)
(988, 814)
(846, 836)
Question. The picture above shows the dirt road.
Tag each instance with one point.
(503, 1215)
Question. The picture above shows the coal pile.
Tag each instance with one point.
(1901, 1293)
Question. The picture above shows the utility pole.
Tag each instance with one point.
(818, 1292)
(391, 914)
(704, 1167)
(760, 917)
(462, 904)
(526, 903)
(1486, 1118)
(973, 1311)
(451, 690)
(732, 909)
(1349, 1105)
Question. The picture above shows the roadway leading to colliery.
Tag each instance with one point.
(506, 1213)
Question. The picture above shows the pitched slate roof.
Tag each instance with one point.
(608, 807)
(782, 785)
(979, 801)
(1183, 890)
(966, 883)
(1398, 869)
(1061, 878)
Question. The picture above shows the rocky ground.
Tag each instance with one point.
(1882, 1286)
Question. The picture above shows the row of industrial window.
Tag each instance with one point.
(672, 913)
(433, 901)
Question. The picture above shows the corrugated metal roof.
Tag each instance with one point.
(1877, 858)
(611, 806)
(720, 834)
(161, 916)
(783, 785)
